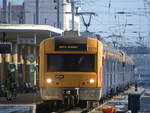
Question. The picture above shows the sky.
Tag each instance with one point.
(13, 1)
(108, 22)
(132, 25)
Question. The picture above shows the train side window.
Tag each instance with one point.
(117, 66)
(120, 67)
(112, 64)
(127, 68)
(107, 64)
(115, 70)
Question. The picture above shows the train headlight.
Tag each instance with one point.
(49, 80)
(92, 81)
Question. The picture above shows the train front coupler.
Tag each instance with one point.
(71, 96)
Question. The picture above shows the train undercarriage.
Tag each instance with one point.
(67, 98)
(81, 97)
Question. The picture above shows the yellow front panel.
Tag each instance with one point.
(70, 79)
(49, 45)
(92, 45)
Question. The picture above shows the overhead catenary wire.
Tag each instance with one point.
(111, 8)
(123, 25)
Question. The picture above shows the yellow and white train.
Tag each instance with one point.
(75, 68)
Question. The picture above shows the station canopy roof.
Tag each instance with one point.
(27, 31)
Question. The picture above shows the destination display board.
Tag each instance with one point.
(70, 44)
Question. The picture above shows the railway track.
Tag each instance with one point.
(120, 102)
(17, 108)
(48, 107)
(59, 108)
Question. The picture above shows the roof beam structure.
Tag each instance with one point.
(26, 31)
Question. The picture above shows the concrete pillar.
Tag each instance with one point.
(8, 58)
(28, 52)
(2, 58)
(38, 62)
(16, 62)
(28, 64)
(50, 34)
(5, 59)
(24, 61)
(35, 39)
(1, 69)
(35, 63)
(21, 55)
(20, 66)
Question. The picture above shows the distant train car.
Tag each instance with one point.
(75, 68)
(129, 69)
(118, 71)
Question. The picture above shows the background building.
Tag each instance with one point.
(51, 12)
(16, 14)
(11, 14)
(56, 13)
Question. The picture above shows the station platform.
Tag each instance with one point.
(120, 103)
(25, 98)
(145, 102)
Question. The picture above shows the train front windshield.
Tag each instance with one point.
(70, 62)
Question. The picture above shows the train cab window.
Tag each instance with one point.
(70, 63)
